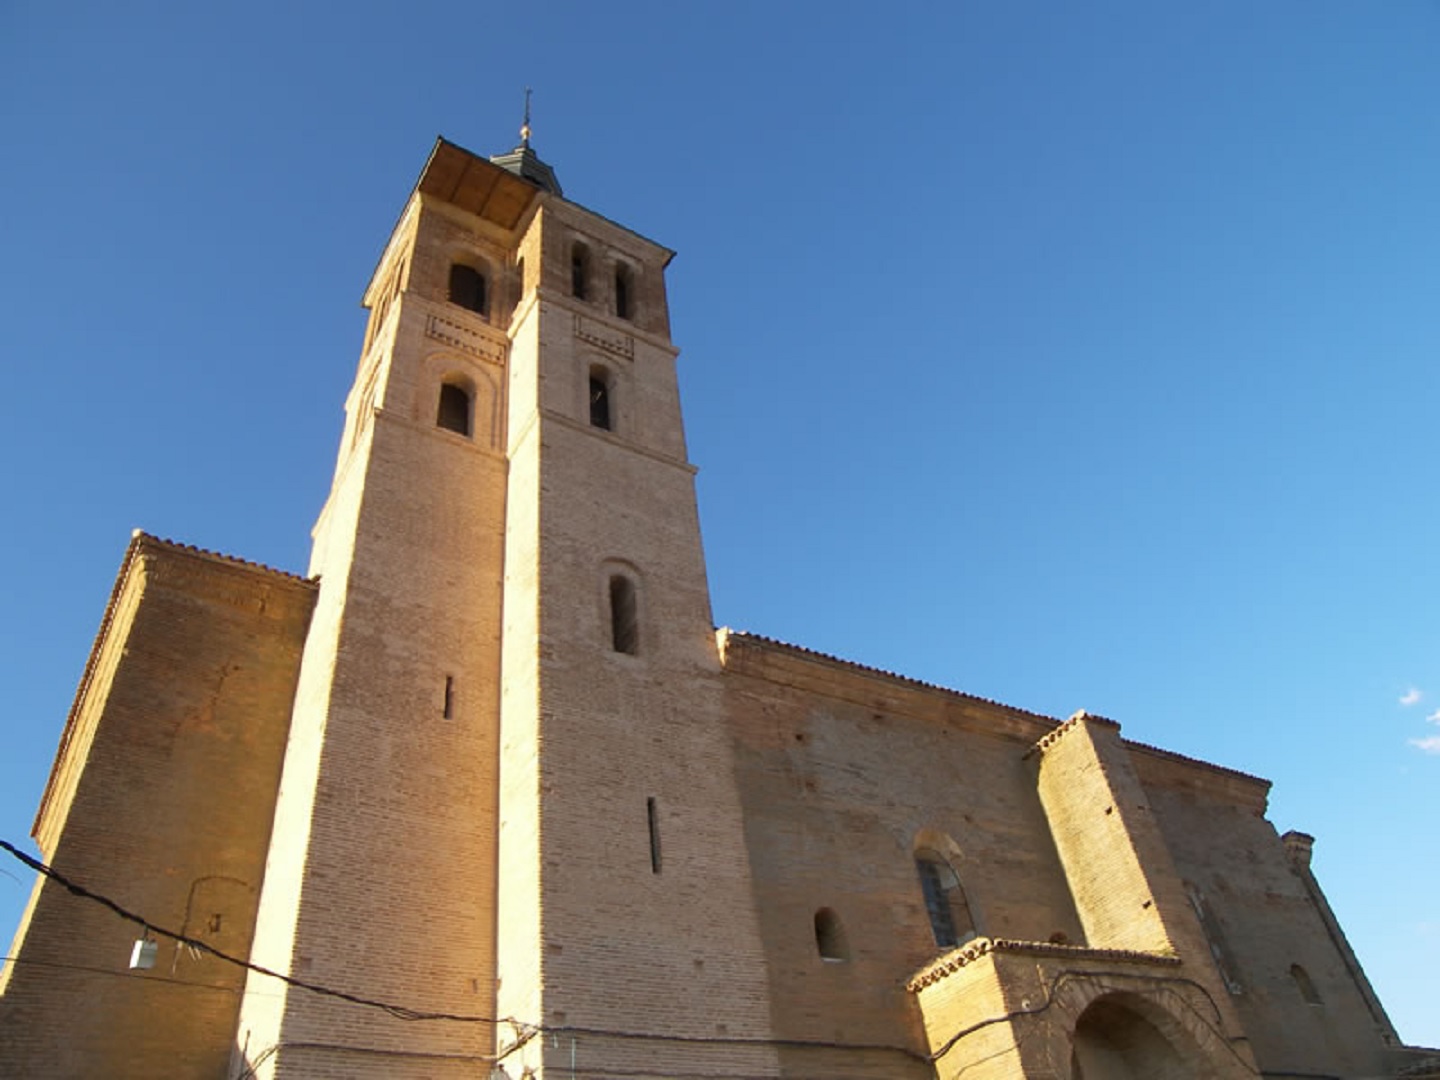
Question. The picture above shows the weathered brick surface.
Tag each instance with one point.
(474, 777)
(429, 540)
(591, 734)
(1165, 1026)
(161, 799)
(1264, 920)
(842, 774)
(1103, 826)
(381, 881)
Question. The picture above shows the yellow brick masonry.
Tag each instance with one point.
(161, 798)
(387, 805)
(617, 960)
(1127, 891)
(997, 1008)
(465, 776)
(1105, 835)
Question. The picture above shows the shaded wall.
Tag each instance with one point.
(1262, 923)
(161, 798)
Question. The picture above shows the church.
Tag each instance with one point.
(486, 793)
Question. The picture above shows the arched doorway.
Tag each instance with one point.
(1114, 1041)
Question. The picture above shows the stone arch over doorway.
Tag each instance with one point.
(1113, 1041)
(1129, 1036)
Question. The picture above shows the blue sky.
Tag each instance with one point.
(1078, 356)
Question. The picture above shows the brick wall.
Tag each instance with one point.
(1263, 920)
(486, 809)
(161, 799)
(843, 774)
(382, 876)
(607, 950)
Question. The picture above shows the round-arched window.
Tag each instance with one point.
(951, 920)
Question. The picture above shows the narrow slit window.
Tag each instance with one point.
(652, 818)
(623, 299)
(600, 401)
(468, 289)
(1304, 984)
(579, 271)
(453, 411)
(830, 939)
(624, 622)
(449, 708)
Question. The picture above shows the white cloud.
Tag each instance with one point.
(1411, 697)
(1434, 717)
(1430, 744)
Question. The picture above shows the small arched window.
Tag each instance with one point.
(830, 937)
(600, 415)
(579, 271)
(624, 616)
(624, 287)
(951, 920)
(1304, 984)
(455, 407)
(469, 289)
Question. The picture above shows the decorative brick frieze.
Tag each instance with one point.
(462, 338)
(604, 337)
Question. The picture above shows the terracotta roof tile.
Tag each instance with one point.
(801, 650)
(1049, 737)
(1421, 1070)
(1173, 756)
(977, 948)
(140, 536)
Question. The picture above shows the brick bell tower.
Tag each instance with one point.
(508, 791)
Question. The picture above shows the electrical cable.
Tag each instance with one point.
(117, 974)
(400, 1012)
(1068, 974)
(734, 1040)
(600, 1072)
(253, 1067)
(526, 1032)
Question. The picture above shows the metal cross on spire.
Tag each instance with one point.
(523, 161)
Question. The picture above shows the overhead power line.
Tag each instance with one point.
(525, 1031)
(400, 1012)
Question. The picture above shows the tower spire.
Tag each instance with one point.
(524, 162)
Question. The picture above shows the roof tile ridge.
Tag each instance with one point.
(976, 948)
(873, 670)
(87, 674)
(138, 539)
(1137, 745)
(1051, 737)
(236, 560)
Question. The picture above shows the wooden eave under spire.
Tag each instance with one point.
(475, 185)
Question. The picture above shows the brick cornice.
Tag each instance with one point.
(978, 948)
